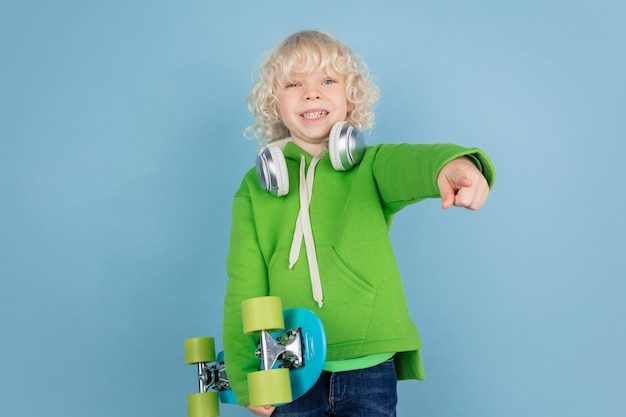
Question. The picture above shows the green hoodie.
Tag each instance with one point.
(365, 310)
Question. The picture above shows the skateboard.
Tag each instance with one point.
(291, 352)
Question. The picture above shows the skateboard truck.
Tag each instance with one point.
(287, 348)
(212, 376)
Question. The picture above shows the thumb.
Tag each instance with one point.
(447, 194)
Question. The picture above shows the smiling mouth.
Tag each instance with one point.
(314, 115)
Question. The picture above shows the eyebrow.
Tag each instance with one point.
(295, 75)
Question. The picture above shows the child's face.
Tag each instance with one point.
(310, 104)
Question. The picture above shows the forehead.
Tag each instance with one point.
(312, 68)
(301, 71)
(308, 58)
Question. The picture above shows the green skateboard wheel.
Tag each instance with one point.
(262, 313)
(269, 387)
(205, 404)
(199, 350)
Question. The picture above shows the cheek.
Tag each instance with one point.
(284, 102)
(280, 106)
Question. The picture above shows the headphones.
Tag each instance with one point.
(346, 147)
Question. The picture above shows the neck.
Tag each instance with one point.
(312, 149)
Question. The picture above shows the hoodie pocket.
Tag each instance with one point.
(348, 300)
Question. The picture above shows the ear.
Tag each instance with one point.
(350, 107)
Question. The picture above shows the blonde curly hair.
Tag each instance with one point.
(310, 50)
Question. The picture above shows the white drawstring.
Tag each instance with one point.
(304, 230)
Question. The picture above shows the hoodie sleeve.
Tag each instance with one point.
(407, 173)
(247, 278)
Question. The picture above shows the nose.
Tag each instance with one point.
(312, 93)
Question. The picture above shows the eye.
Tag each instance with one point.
(329, 81)
(291, 84)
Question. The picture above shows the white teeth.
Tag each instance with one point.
(314, 115)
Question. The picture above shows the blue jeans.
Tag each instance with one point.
(367, 392)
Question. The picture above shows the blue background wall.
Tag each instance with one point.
(121, 147)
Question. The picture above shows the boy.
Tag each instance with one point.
(323, 242)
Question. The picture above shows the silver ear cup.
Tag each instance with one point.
(346, 146)
(271, 170)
